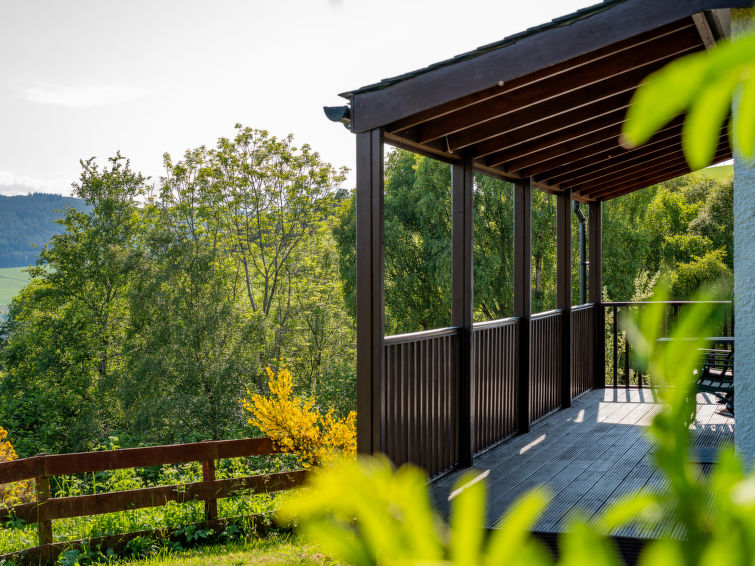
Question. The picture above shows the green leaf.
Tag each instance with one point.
(701, 132)
(640, 506)
(467, 520)
(663, 95)
(582, 544)
(744, 116)
(514, 530)
(662, 553)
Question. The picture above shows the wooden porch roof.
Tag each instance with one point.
(549, 103)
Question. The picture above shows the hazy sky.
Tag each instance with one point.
(89, 77)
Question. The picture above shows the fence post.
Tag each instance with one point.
(208, 474)
(44, 524)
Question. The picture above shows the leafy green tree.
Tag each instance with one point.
(63, 358)
(190, 351)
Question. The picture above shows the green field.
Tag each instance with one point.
(12, 280)
(719, 172)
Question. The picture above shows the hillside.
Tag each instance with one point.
(718, 171)
(27, 223)
(12, 280)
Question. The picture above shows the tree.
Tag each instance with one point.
(63, 356)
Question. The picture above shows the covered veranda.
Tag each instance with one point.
(544, 110)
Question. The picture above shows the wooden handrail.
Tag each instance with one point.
(87, 462)
(423, 335)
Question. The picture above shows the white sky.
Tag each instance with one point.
(89, 77)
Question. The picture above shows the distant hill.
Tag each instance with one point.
(29, 221)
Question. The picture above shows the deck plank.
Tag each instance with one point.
(588, 455)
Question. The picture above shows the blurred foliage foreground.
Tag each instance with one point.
(365, 512)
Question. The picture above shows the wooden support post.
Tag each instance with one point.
(462, 301)
(522, 295)
(370, 295)
(563, 288)
(210, 505)
(44, 524)
(595, 237)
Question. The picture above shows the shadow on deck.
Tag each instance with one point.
(588, 455)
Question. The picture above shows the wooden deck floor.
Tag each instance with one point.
(589, 455)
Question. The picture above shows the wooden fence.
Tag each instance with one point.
(46, 509)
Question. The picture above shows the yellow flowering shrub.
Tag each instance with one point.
(17, 492)
(295, 425)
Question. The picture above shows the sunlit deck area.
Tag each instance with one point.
(588, 455)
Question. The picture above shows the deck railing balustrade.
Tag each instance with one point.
(620, 368)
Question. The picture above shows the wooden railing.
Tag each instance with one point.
(495, 389)
(621, 371)
(545, 363)
(583, 349)
(421, 380)
(420, 412)
(46, 509)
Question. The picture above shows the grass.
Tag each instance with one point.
(276, 549)
(12, 280)
(718, 172)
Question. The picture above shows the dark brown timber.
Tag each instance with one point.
(538, 110)
(611, 72)
(462, 301)
(592, 57)
(522, 295)
(563, 289)
(370, 284)
(598, 159)
(595, 289)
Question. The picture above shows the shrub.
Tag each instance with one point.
(294, 424)
(12, 493)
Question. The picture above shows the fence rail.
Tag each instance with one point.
(46, 509)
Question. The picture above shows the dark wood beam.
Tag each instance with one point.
(608, 126)
(462, 301)
(640, 167)
(619, 177)
(541, 109)
(620, 66)
(643, 181)
(592, 57)
(563, 289)
(370, 291)
(522, 295)
(605, 25)
(591, 162)
(556, 123)
(605, 140)
(433, 150)
(595, 290)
